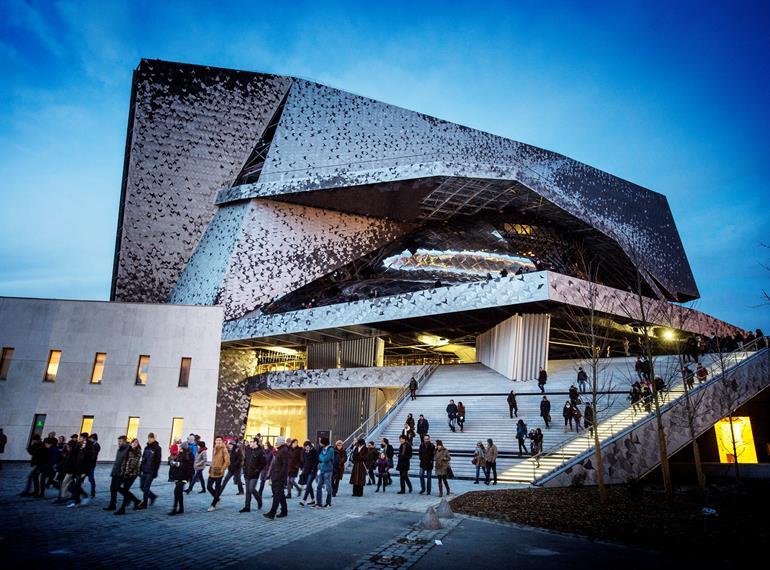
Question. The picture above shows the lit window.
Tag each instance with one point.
(5, 362)
(142, 370)
(742, 437)
(184, 372)
(98, 371)
(87, 424)
(176, 429)
(53, 366)
(132, 430)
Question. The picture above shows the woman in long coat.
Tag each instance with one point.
(441, 461)
(358, 475)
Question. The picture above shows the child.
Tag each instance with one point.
(383, 472)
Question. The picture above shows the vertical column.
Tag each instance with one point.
(517, 347)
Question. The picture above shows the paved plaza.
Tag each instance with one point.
(376, 531)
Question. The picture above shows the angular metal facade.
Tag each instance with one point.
(262, 192)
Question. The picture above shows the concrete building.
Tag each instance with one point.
(109, 368)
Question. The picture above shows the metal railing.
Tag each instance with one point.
(382, 413)
(628, 419)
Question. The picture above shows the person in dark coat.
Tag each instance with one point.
(542, 378)
(389, 453)
(513, 408)
(413, 388)
(372, 454)
(545, 411)
(68, 467)
(568, 415)
(129, 471)
(404, 458)
(295, 463)
(422, 427)
(235, 468)
(588, 418)
(426, 452)
(38, 458)
(309, 470)
(358, 474)
(451, 412)
(279, 473)
(253, 463)
(97, 448)
(86, 462)
(265, 474)
(340, 458)
(148, 471)
(582, 378)
(181, 470)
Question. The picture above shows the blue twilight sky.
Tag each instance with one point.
(671, 95)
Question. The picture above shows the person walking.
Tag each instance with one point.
(115, 474)
(325, 473)
(389, 453)
(309, 469)
(542, 378)
(371, 462)
(269, 452)
(537, 445)
(148, 470)
(340, 458)
(199, 465)
(577, 416)
(358, 473)
(574, 395)
(582, 379)
(97, 448)
(3, 443)
(413, 388)
(478, 460)
(129, 471)
(588, 418)
(38, 457)
(220, 461)
(422, 427)
(411, 428)
(545, 411)
(253, 464)
(295, 463)
(382, 473)
(451, 412)
(85, 463)
(181, 470)
(490, 458)
(521, 435)
(235, 469)
(279, 474)
(427, 454)
(461, 415)
(441, 464)
(567, 414)
(404, 458)
(513, 407)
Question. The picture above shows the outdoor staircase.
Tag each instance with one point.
(484, 394)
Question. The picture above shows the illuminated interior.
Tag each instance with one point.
(53, 365)
(744, 440)
(87, 424)
(477, 263)
(132, 430)
(177, 424)
(142, 369)
(275, 413)
(98, 372)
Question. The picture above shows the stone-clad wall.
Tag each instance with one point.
(235, 366)
(378, 376)
(636, 453)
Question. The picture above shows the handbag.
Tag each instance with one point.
(303, 479)
(474, 461)
(449, 473)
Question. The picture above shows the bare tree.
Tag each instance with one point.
(586, 324)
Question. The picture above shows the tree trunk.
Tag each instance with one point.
(735, 450)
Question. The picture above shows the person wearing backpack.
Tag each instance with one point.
(326, 460)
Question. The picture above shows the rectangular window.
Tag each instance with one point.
(142, 370)
(54, 357)
(176, 429)
(5, 362)
(98, 372)
(86, 424)
(132, 430)
(184, 372)
(38, 424)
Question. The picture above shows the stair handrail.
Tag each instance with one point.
(367, 427)
(728, 362)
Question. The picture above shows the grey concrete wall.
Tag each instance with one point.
(80, 329)
(377, 376)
